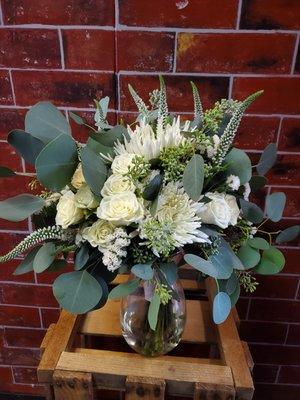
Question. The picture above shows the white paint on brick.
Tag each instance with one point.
(61, 47)
(297, 44)
(239, 13)
(1, 15)
(12, 86)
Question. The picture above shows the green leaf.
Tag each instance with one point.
(235, 295)
(6, 172)
(27, 264)
(28, 146)
(215, 270)
(170, 271)
(20, 207)
(81, 257)
(143, 271)
(288, 234)
(239, 164)
(193, 177)
(231, 284)
(249, 256)
(77, 292)
(108, 138)
(153, 311)
(258, 243)
(152, 189)
(257, 182)
(267, 159)
(57, 265)
(57, 163)
(94, 170)
(98, 148)
(272, 262)
(221, 307)
(44, 257)
(251, 211)
(275, 204)
(124, 289)
(46, 122)
(153, 206)
(76, 118)
(226, 258)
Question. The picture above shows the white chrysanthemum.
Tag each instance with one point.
(144, 142)
(175, 206)
(233, 182)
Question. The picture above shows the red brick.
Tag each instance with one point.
(49, 316)
(276, 286)
(221, 53)
(6, 96)
(25, 375)
(292, 207)
(290, 135)
(256, 133)
(270, 14)
(6, 273)
(89, 49)
(283, 224)
(178, 90)
(265, 373)
(62, 88)
(275, 310)
(32, 48)
(275, 354)
(6, 378)
(263, 332)
(292, 260)
(11, 119)
(242, 307)
(294, 335)
(19, 316)
(289, 374)
(186, 14)
(281, 95)
(297, 66)
(58, 12)
(9, 157)
(27, 295)
(16, 356)
(8, 241)
(145, 51)
(18, 337)
(276, 392)
(49, 277)
(286, 171)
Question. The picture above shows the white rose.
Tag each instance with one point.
(121, 164)
(222, 210)
(121, 209)
(98, 233)
(115, 184)
(84, 198)
(67, 211)
(78, 178)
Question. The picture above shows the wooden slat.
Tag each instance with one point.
(248, 355)
(145, 388)
(72, 385)
(46, 338)
(232, 351)
(61, 339)
(110, 370)
(199, 327)
(213, 392)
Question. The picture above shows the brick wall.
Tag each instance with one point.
(70, 51)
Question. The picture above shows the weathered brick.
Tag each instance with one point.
(290, 135)
(11, 119)
(32, 48)
(294, 335)
(6, 96)
(186, 14)
(297, 65)
(275, 354)
(270, 14)
(281, 95)
(9, 157)
(14, 293)
(229, 53)
(49, 316)
(286, 171)
(265, 373)
(284, 287)
(16, 356)
(19, 316)
(7, 269)
(58, 12)
(292, 259)
(275, 310)
(289, 374)
(62, 88)
(263, 332)
(9, 240)
(145, 51)
(178, 90)
(89, 49)
(18, 337)
(276, 392)
(25, 375)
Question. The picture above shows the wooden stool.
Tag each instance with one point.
(69, 369)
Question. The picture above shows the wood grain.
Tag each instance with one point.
(72, 385)
(145, 388)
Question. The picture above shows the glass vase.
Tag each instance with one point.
(170, 321)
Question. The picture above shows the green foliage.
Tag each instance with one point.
(275, 204)
(143, 271)
(162, 105)
(6, 172)
(221, 307)
(26, 145)
(152, 189)
(20, 207)
(76, 118)
(94, 170)
(257, 182)
(249, 256)
(139, 169)
(267, 159)
(193, 177)
(81, 257)
(251, 211)
(109, 137)
(57, 162)
(174, 160)
(247, 281)
(124, 289)
(258, 243)
(44, 257)
(159, 236)
(272, 262)
(153, 311)
(141, 106)
(26, 265)
(239, 164)
(288, 234)
(170, 272)
(214, 270)
(198, 110)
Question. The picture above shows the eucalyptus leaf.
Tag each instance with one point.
(231, 284)
(193, 177)
(221, 307)
(81, 257)
(153, 206)
(77, 292)
(267, 159)
(226, 259)
(6, 172)
(275, 204)
(153, 311)
(212, 268)
(46, 122)
(57, 265)
(238, 164)
(152, 189)
(76, 118)
(170, 271)
(20, 207)
(258, 243)
(104, 294)
(124, 289)
(249, 256)
(272, 262)
(257, 182)
(94, 170)
(235, 295)
(143, 271)
(251, 211)
(288, 234)
(98, 148)
(57, 162)
(26, 265)
(27, 146)
(44, 257)
(108, 138)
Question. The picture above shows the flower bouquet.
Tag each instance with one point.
(145, 199)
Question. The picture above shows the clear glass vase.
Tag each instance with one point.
(170, 322)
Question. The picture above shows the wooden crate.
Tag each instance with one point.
(71, 369)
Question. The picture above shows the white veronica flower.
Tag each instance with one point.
(144, 142)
